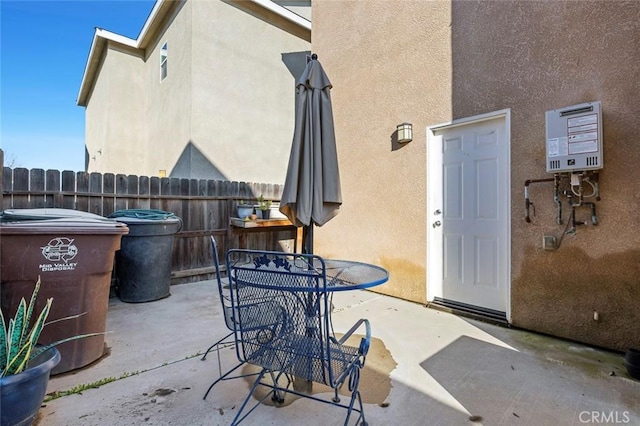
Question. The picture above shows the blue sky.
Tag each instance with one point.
(44, 47)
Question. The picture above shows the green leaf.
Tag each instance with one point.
(65, 318)
(32, 306)
(3, 343)
(34, 334)
(15, 330)
(10, 344)
(41, 349)
(18, 362)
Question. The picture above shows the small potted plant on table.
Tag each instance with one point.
(264, 207)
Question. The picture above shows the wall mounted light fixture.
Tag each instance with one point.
(405, 132)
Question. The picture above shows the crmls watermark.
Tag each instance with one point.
(603, 417)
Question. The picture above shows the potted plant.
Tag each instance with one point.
(264, 207)
(25, 366)
(244, 210)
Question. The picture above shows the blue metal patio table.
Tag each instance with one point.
(343, 275)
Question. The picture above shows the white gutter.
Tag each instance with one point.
(108, 35)
(149, 21)
(284, 12)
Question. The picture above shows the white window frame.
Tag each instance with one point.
(163, 61)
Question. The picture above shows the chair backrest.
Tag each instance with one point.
(281, 313)
(225, 300)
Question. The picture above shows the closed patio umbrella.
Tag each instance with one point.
(311, 193)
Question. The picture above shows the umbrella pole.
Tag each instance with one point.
(301, 384)
(307, 239)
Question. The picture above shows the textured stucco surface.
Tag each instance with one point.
(169, 104)
(243, 94)
(228, 97)
(432, 62)
(119, 76)
(389, 62)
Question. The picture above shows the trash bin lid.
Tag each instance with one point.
(12, 215)
(148, 214)
(140, 221)
(71, 225)
(148, 217)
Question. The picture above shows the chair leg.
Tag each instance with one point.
(214, 345)
(354, 381)
(237, 419)
(224, 376)
(276, 391)
(360, 410)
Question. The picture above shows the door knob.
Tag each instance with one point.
(436, 223)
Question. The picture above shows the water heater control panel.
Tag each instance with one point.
(574, 138)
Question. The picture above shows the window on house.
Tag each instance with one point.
(163, 62)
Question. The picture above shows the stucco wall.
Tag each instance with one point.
(533, 57)
(389, 62)
(243, 93)
(119, 82)
(431, 62)
(169, 107)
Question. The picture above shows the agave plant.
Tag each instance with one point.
(18, 339)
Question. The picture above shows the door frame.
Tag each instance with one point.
(434, 261)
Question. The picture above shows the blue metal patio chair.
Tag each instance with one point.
(281, 309)
(228, 340)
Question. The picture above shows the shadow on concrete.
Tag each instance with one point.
(500, 385)
(375, 378)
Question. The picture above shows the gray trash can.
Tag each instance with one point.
(143, 264)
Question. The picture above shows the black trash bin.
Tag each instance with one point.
(143, 264)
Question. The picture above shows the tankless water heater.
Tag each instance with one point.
(574, 138)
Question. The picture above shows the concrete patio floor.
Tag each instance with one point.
(427, 368)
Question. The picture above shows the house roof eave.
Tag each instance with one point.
(280, 16)
(284, 12)
(101, 38)
(98, 44)
(263, 9)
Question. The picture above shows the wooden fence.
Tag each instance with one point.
(205, 207)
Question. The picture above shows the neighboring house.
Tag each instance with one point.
(446, 216)
(206, 91)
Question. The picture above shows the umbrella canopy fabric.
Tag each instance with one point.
(311, 193)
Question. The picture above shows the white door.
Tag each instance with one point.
(468, 212)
